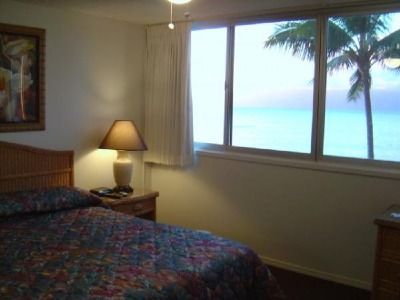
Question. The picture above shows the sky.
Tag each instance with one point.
(270, 77)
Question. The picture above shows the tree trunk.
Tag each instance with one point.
(368, 115)
(364, 60)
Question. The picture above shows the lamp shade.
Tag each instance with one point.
(179, 1)
(123, 135)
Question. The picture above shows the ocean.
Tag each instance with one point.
(290, 130)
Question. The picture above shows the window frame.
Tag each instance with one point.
(321, 14)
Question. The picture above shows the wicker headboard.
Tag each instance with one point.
(25, 167)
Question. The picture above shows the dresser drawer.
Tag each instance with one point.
(388, 266)
(389, 272)
(137, 208)
(391, 240)
(386, 294)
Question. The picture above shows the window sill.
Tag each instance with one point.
(332, 167)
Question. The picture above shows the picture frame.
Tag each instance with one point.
(22, 78)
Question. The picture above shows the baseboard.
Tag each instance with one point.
(316, 273)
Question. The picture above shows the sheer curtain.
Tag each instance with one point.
(168, 101)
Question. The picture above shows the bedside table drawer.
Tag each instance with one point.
(140, 203)
(138, 208)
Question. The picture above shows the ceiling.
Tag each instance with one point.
(157, 11)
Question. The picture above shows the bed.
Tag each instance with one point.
(60, 242)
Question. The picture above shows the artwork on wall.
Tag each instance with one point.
(22, 60)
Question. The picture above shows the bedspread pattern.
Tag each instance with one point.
(99, 254)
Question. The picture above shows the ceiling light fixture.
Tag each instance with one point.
(171, 24)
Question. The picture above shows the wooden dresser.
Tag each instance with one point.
(386, 285)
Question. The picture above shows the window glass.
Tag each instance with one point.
(208, 64)
(273, 86)
(362, 114)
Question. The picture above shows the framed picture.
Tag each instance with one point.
(22, 66)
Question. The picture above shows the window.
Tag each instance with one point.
(208, 84)
(362, 115)
(272, 93)
(265, 85)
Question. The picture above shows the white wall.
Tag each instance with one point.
(94, 75)
(316, 222)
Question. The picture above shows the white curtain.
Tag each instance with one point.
(168, 102)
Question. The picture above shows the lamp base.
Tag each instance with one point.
(123, 172)
(123, 188)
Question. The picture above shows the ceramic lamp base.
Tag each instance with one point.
(123, 172)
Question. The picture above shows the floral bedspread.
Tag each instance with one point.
(96, 253)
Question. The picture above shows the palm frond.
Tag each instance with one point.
(338, 38)
(297, 37)
(343, 61)
(356, 87)
(388, 44)
(386, 48)
(364, 24)
(353, 41)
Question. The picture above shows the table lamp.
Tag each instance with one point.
(123, 136)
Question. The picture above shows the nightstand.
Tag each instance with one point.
(140, 203)
(386, 284)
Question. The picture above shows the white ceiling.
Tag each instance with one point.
(157, 11)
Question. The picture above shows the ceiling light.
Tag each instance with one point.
(179, 1)
(171, 24)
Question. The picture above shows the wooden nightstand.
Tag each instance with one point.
(386, 285)
(140, 203)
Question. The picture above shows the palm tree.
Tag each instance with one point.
(353, 43)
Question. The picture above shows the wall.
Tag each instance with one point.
(94, 75)
(316, 222)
